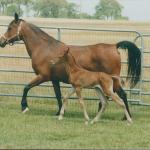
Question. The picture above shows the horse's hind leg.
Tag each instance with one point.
(65, 100)
(119, 101)
(121, 93)
(103, 101)
(57, 90)
(36, 81)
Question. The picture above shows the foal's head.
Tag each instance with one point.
(61, 58)
(13, 32)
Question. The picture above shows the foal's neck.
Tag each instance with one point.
(72, 66)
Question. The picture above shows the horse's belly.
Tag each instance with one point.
(59, 73)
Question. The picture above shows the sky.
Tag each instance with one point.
(137, 10)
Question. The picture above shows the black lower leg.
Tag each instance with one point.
(99, 106)
(121, 93)
(24, 104)
(56, 86)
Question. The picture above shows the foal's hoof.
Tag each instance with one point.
(25, 110)
(129, 122)
(86, 123)
(94, 121)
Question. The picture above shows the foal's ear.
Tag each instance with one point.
(16, 17)
(67, 51)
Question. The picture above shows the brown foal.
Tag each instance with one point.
(81, 78)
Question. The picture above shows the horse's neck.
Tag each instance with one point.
(32, 39)
(71, 66)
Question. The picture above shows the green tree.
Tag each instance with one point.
(84, 16)
(10, 6)
(3, 6)
(72, 10)
(108, 10)
(11, 9)
(20, 3)
(50, 8)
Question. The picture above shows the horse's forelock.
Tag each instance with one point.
(14, 22)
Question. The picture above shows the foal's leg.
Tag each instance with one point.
(56, 86)
(65, 100)
(81, 101)
(103, 100)
(36, 81)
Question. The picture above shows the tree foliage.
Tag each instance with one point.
(55, 9)
(108, 10)
(72, 10)
(105, 9)
(11, 9)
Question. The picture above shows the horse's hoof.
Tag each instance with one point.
(25, 110)
(58, 113)
(124, 118)
(60, 117)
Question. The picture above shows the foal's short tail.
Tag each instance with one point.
(117, 82)
(134, 61)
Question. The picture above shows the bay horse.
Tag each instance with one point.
(41, 48)
(81, 78)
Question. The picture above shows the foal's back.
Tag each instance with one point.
(80, 77)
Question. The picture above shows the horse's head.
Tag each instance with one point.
(61, 58)
(13, 32)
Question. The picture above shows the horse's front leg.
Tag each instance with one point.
(57, 91)
(36, 81)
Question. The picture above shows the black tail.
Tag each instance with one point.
(134, 61)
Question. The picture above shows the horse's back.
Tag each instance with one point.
(98, 57)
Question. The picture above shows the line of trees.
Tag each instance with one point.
(105, 9)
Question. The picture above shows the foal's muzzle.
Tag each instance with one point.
(3, 42)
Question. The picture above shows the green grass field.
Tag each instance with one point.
(39, 128)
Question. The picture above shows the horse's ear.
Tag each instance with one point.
(16, 17)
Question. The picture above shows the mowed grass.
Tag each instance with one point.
(39, 128)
